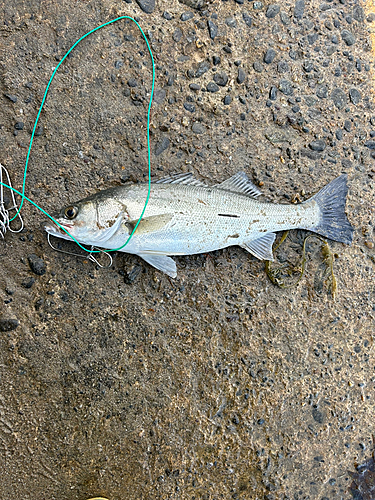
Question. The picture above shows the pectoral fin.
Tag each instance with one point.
(161, 262)
(149, 224)
(261, 248)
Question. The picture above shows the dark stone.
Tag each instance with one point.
(348, 125)
(159, 96)
(185, 16)
(299, 9)
(212, 87)
(247, 19)
(195, 4)
(231, 22)
(283, 67)
(162, 146)
(177, 35)
(355, 96)
(7, 325)
(285, 19)
(221, 79)
(227, 100)
(189, 107)
(322, 91)
(358, 14)
(273, 93)
(346, 163)
(194, 86)
(132, 82)
(12, 98)
(318, 145)
(167, 16)
(241, 76)
(257, 67)
(272, 11)
(198, 128)
(339, 98)
(312, 38)
(269, 56)
(318, 416)
(338, 134)
(370, 144)
(28, 283)
(216, 60)
(308, 66)
(286, 87)
(19, 126)
(37, 265)
(132, 275)
(348, 37)
(203, 67)
(147, 6)
(313, 155)
(212, 29)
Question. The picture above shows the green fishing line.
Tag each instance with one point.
(23, 197)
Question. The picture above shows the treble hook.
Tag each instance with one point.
(90, 255)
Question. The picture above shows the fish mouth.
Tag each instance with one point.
(55, 230)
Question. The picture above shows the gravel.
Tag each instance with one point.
(212, 29)
(339, 98)
(269, 56)
(241, 76)
(37, 265)
(147, 6)
(272, 11)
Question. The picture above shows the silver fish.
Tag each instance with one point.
(185, 216)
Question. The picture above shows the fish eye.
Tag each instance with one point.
(71, 212)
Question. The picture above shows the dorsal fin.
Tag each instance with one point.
(240, 183)
(187, 179)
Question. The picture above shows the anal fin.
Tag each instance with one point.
(261, 248)
(162, 262)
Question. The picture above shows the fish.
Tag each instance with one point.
(185, 216)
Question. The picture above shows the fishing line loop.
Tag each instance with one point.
(4, 211)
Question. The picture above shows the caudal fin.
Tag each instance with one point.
(331, 201)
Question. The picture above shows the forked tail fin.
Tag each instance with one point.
(331, 201)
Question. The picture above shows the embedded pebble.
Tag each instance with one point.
(241, 76)
(258, 5)
(248, 19)
(322, 91)
(194, 86)
(12, 98)
(348, 125)
(198, 128)
(185, 16)
(272, 11)
(221, 79)
(177, 35)
(273, 93)
(167, 16)
(8, 324)
(284, 17)
(258, 67)
(189, 107)
(370, 144)
(231, 22)
(28, 283)
(37, 265)
(227, 100)
(318, 145)
(269, 56)
(355, 96)
(338, 134)
(339, 98)
(282, 67)
(132, 82)
(147, 6)
(348, 37)
(299, 9)
(286, 87)
(19, 126)
(212, 87)
(216, 60)
(203, 67)
(162, 146)
(212, 29)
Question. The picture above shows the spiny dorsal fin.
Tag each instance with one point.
(240, 183)
(187, 179)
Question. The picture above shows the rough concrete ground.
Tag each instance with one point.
(123, 383)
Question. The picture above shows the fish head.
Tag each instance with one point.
(91, 221)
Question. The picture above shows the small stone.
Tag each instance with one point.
(221, 79)
(339, 98)
(318, 416)
(370, 144)
(355, 96)
(37, 265)
(247, 19)
(212, 87)
(162, 146)
(348, 125)
(147, 6)
(212, 29)
(28, 283)
(185, 16)
(12, 98)
(198, 128)
(194, 86)
(159, 96)
(312, 38)
(273, 93)
(216, 60)
(322, 91)
(241, 76)
(167, 16)
(132, 275)
(203, 67)
(285, 19)
(318, 145)
(258, 5)
(227, 100)
(286, 87)
(177, 35)
(282, 67)
(369, 244)
(231, 22)
(299, 9)
(7, 325)
(189, 107)
(132, 82)
(39, 131)
(308, 66)
(19, 126)
(338, 134)
(258, 67)
(348, 37)
(194, 4)
(272, 11)
(358, 14)
(269, 56)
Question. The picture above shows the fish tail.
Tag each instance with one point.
(333, 222)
